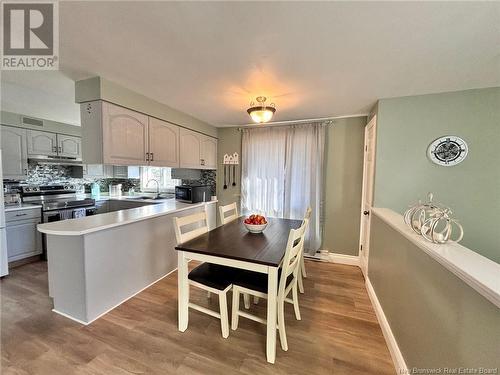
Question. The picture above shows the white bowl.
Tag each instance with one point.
(255, 228)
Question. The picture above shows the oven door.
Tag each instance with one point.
(51, 216)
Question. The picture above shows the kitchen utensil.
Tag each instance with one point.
(234, 175)
(115, 190)
(225, 185)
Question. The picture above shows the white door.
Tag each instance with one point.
(190, 149)
(15, 154)
(209, 153)
(163, 143)
(69, 146)
(42, 143)
(125, 136)
(367, 193)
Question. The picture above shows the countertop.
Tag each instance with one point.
(22, 206)
(89, 224)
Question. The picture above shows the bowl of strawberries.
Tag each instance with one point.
(255, 223)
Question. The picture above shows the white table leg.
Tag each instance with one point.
(183, 289)
(272, 293)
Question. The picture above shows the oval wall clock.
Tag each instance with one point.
(448, 150)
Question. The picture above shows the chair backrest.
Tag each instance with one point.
(293, 252)
(233, 213)
(308, 213)
(197, 224)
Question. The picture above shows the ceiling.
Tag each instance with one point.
(313, 59)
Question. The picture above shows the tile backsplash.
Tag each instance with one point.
(43, 174)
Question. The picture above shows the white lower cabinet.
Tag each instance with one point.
(23, 239)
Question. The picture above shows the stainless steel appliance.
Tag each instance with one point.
(193, 193)
(59, 202)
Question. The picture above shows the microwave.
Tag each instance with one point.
(193, 193)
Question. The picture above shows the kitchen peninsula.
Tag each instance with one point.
(97, 262)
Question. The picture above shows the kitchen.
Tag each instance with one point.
(45, 179)
(227, 187)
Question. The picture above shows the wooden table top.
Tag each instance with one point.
(233, 241)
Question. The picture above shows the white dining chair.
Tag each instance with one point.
(210, 277)
(303, 274)
(232, 209)
(226, 218)
(255, 284)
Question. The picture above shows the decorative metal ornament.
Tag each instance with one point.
(433, 221)
(448, 150)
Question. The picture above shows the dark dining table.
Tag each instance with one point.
(232, 245)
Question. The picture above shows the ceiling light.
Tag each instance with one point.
(261, 113)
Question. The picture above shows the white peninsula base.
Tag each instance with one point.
(93, 272)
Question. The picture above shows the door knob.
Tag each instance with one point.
(366, 213)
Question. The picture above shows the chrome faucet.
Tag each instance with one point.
(157, 187)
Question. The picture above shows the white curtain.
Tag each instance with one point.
(282, 174)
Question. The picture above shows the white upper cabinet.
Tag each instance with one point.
(163, 143)
(208, 152)
(125, 136)
(69, 146)
(42, 143)
(119, 136)
(190, 149)
(197, 150)
(14, 150)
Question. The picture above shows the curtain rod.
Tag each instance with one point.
(329, 121)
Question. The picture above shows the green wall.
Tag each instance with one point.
(229, 143)
(343, 183)
(407, 125)
(437, 319)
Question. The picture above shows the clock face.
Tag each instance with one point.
(448, 150)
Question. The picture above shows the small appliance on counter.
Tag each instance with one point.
(193, 193)
(115, 190)
(95, 190)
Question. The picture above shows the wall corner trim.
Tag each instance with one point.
(396, 355)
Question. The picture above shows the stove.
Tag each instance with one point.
(55, 197)
(59, 202)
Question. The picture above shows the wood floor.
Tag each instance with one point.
(338, 334)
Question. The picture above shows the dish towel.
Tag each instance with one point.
(79, 212)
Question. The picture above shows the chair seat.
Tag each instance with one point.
(255, 280)
(212, 275)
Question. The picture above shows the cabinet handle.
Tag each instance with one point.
(60, 149)
(147, 156)
(152, 156)
(21, 214)
(54, 149)
(202, 161)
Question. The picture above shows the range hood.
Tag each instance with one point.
(59, 160)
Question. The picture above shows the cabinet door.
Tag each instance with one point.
(69, 146)
(190, 149)
(163, 143)
(23, 240)
(209, 153)
(125, 136)
(42, 143)
(14, 150)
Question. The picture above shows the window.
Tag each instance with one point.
(162, 175)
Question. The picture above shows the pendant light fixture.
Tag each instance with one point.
(261, 112)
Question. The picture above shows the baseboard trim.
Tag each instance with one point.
(350, 260)
(396, 355)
